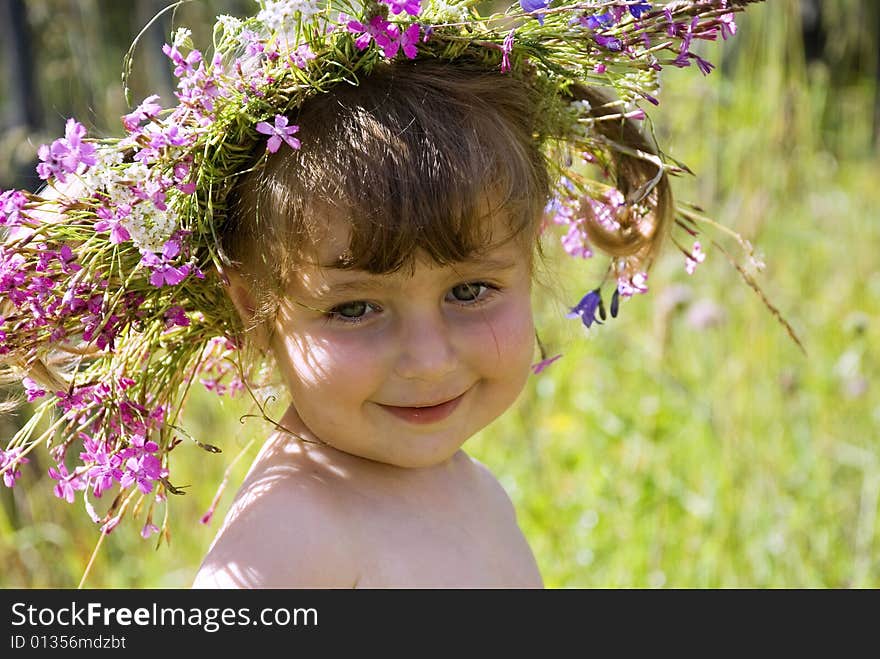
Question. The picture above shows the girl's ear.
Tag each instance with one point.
(239, 292)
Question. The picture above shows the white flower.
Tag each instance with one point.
(104, 175)
(446, 12)
(149, 227)
(581, 107)
(181, 37)
(231, 24)
(278, 14)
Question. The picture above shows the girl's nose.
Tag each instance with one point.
(426, 350)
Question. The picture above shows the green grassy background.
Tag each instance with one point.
(662, 450)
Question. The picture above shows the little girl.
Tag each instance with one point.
(402, 327)
(381, 261)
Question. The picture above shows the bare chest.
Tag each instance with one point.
(447, 547)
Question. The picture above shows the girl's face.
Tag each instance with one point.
(403, 369)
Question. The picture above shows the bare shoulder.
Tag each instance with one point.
(491, 487)
(287, 528)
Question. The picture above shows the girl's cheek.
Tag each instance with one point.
(505, 335)
(331, 355)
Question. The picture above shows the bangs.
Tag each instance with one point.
(417, 158)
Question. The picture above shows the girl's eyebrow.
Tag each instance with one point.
(368, 281)
(493, 262)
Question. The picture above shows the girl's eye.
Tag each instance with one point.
(351, 312)
(474, 291)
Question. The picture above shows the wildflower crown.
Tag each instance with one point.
(111, 296)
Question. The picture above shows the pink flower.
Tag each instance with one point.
(694, 258)
(605, 212)
(407, 41)
(377, 29)
(104, 469)
(68, 260)
(302, 55)
(637, 284)
(32, 389)
(10, 459)
(112, 221)
(575, 244)
(728, 25)
(110, 524)
(146, 110)
(12, 203)
(183, 65)
(144, 471)
(68, 484)
(411, 7)
(280, 131)
(543, 364)
(164, 273)
(149, 529)
(175, 316)
(66, 155)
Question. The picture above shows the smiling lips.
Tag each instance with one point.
(423, 415)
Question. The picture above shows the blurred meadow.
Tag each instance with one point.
(688, 442)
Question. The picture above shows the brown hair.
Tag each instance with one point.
(408, 157)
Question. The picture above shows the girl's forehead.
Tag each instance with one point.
(331, 236)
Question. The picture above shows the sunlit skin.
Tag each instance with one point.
(360, 353)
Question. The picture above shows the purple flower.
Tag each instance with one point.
(611, 43)
(411, 7)
(77, 401)
(728, 25)
(148, 530)
(68, 484)
(280, 131)
(104, 469)
(377, 29)
(683, 52)
(141, 466)
(254, 44)
(112, 221)
(639, 8)
(543, 364)
(704, 65)
(144, 471)
(66, 155)
(164, 272)
(12, 202)
(9, 460)
(598, 21)
(302, 55)
(32, 389)
(407, 41)
(176, 316)
(68, 260)
(183, 65)
(506, 49)
(586, 309)
(146, 110)
(534, 5)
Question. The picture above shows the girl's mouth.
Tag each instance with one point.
(424, 415)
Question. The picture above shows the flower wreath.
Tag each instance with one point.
(110, 303)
